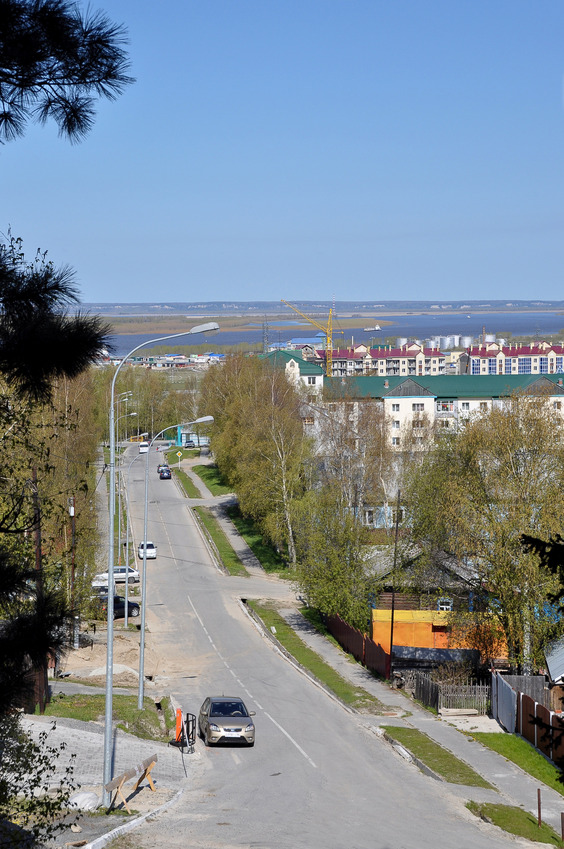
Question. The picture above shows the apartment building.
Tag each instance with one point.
(297, 370)
(498, 358)
(409, 359)
(414, 408)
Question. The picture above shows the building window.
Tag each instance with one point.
(484, 406)
(395, 408)
(475, 366)
(444, 603)
(311, 380)
(443, 423)
(557, 405)
(492, 366)
(308, 420)
(395, 440)
(417, 423)
(543, 365)
(508, 364)
(418, 408)
(465, 405)
(396, 424)
(524, 365)
(445, 406)
(559, 364)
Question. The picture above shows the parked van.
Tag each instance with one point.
(143, 447)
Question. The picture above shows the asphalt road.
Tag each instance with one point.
(316, 778)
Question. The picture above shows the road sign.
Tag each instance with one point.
(179, 454)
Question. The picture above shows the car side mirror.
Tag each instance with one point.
(252, 713)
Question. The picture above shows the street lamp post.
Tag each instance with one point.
(209, 327)
(125, 416)
(202, 420)
(126, 494)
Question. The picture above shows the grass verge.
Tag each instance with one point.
(515, 821)
(148, 723)
(440, 760)
(187, 454)
(186, 483)
(224, 548)
(212, 479)
(355, 697)
(268, 557)
(520, 752)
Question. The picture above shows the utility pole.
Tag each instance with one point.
(41, 672)
(394, 587)
(73, 573)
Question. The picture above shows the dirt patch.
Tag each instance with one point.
(89, 660)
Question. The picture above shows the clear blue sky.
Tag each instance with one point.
(362, 149)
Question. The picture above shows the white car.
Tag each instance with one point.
(121, 574)
(151, 550)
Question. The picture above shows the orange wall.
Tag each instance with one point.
(421, 628)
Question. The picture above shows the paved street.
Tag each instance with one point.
(320, 775)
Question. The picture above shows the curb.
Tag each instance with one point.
(410, 757)
(128, 826)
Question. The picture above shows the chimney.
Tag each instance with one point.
(559, 381)
(387, 383)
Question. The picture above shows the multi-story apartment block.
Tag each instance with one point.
(495, 358)
(300, 372)
(414, 408)
(410, 359)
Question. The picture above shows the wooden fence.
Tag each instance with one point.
(543, 728)
(362, 648)
(453, 696)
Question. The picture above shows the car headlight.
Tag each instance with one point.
(214, 727)
(250, 727)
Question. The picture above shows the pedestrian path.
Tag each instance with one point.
(513, 786)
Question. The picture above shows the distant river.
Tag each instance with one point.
(418, 326)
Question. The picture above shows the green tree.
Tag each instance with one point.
(30, 809)
(55, 62)
(258, 442)
(331, 568)
(473, 496)
(39, 339)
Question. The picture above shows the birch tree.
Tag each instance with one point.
(477, 492)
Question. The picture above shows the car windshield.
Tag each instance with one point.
(228, 709)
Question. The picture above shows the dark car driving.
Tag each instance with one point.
(165, 474)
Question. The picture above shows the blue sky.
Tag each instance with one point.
(361, 149)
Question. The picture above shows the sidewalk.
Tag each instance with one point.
(84, 751)
(173, 770)
(513, 786)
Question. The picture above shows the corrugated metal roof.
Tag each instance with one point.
(554, 656)
(448, 386)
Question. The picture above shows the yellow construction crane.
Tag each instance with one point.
(328, 330)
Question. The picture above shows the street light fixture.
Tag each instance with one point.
(202, 420)
(209, 327)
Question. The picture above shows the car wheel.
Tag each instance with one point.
(251, 744)
(134, 612)
(207, 740)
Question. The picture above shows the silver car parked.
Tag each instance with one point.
(225, 719)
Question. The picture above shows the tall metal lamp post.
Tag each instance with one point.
(202, 420)
(209, 327)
